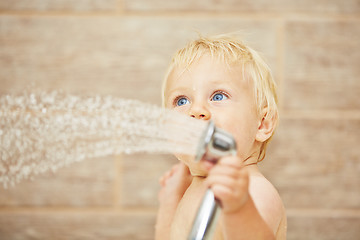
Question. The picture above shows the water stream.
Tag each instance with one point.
(42, 131)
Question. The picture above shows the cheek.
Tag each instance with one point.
(245, 140)
(243, 129)
(182, 109)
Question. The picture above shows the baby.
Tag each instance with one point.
(221, 79)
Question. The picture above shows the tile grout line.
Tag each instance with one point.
(76, 210)
(120, 7)
(120, 11)
(280, 66)
(321, 114)
(291, 212)
(318, 212)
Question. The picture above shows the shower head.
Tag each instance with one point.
(215, 143)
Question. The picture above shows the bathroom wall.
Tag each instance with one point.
(122, 48)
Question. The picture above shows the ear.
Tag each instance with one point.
(266, 126)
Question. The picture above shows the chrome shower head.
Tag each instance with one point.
(215, 143)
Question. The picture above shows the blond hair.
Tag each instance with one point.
(230, 50)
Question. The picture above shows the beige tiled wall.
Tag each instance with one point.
(122, 47)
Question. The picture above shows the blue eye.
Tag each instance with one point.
(219, 97)
(182, 101)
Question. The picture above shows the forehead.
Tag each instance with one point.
(206, 70)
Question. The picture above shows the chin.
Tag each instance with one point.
(197, 169)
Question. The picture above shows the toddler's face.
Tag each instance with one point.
(210, 89)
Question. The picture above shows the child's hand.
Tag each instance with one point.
(230, 183)
(174, 183)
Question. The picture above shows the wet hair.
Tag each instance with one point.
(232, 51)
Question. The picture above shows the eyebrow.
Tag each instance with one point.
(176, 92)
(219, 83)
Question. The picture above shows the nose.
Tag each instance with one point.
(200, 112)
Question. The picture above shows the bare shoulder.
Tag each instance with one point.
(268, 202)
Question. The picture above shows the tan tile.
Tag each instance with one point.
(83, 184)
(321, 65)
(307, 227)
(277, 6)
(120, 56)
(315, 163)
(62, 5)
(74, 225)
(140, 183)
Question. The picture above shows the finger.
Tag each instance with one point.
(221, 180)
(168, 174)
(174, 168)
(224, 170)
(222, 193)
(239, 179)
(163, 179)
(228, 170)
(231, 161)
(226, 191)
